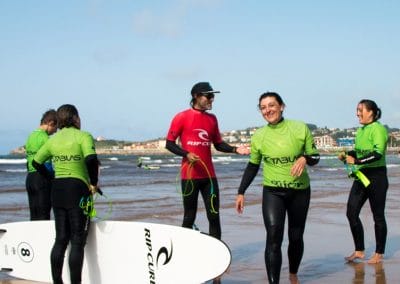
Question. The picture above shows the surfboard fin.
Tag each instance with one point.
(4, 269)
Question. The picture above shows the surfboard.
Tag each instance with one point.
(117, 252)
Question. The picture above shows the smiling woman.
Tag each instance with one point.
(369, 158)
(284, 147)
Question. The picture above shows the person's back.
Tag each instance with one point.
(68, 149)
(37, 186)
(76, 174)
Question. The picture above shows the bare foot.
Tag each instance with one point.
(375, 258)
(358, 254)
(293, 279)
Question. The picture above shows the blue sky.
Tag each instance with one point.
(129, 65)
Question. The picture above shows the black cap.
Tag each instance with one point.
(203, 88)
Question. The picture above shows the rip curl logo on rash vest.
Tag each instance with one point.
(204, 139)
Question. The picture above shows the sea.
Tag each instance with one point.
(152, 194)
(133, 193)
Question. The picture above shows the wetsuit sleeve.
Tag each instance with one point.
(225, 147)
(92, 165)
(372, 157)
(248, 176)
(42, 169)
(311, 153)
(312, 159)
(352, 153)
(174, 148)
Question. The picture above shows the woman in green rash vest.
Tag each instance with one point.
(284, 147)
(368, 157)
(76, 174)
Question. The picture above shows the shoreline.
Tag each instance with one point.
(327, 234)
(327, 240)
(162, 151)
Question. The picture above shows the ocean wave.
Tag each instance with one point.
(393, 165)
(15, 170)
(330, 169)
(13, 161)
(11, 190)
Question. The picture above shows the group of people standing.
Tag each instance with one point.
(71, 176)
(283, 147)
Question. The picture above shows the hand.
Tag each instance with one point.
(243, 150)
(93, 189)
(342, 156)
(350, 160)
(192, 157)
(239, 203)
(298, 167)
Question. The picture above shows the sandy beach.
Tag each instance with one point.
(327, 241)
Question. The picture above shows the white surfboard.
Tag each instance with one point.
(117, 252)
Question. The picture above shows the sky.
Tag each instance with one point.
(128, 66)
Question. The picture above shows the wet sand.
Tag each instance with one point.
(327, 241)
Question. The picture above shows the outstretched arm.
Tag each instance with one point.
(248, 176)
(41, 168)
(226, 148)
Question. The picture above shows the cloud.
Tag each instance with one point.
(149, 23)
(169, 23)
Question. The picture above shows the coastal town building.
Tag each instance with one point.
(326, 140)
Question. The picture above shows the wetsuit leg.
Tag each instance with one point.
(210, 193)
(62, 238)
(79, 223)
(190, 194)
(297, 208)
(274, 211)
(32, 195)
(357, 197)
(38, 188)
(44, 200)
(377, 200)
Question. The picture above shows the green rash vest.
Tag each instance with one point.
(67, 150)
(278, 147)
(369, 138)
(34, 142)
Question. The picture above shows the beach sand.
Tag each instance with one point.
(327, 241)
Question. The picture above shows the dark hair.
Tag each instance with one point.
(372, 106)
(271, 94)
(193, 100)
(49, 116)
(66, 116)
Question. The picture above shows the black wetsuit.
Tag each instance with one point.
(211, 203)
(37, 185)
(370, 159)
(76, 166)
(197, 131)
(278, 147)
